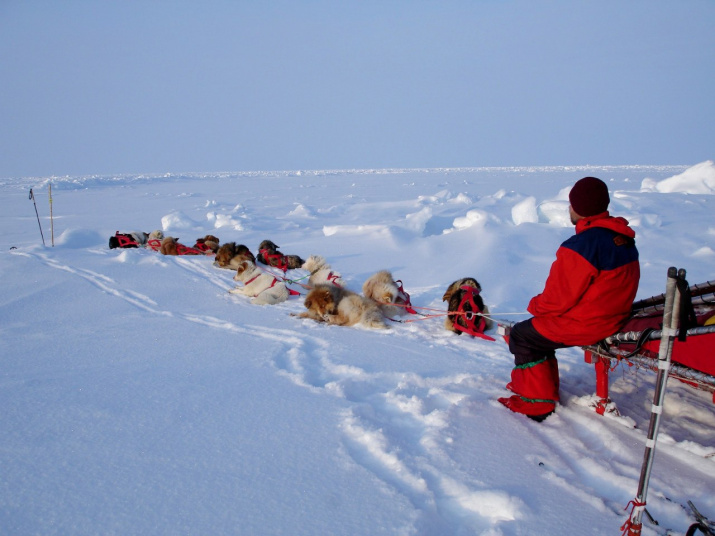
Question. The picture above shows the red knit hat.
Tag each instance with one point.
(589, 197)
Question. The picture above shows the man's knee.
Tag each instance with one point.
(521, 343)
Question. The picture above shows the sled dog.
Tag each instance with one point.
(207, 244)
(342, 307)
(321, 273)
(455, 296)
(269, 255)
(382, 288)
(263, 288)
(230, 255)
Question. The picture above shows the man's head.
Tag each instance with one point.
(588, 197)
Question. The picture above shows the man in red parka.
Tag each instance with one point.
(587, 297)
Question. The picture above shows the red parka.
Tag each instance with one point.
(592, 283)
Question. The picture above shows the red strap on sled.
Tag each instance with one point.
(154, 244)
(475, 322)
(124, 240)
(406, 298)
(629, 528)
(282, 263)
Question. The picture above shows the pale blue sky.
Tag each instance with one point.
(99, 87)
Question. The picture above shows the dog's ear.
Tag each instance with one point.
(450, 290)
(308, 302)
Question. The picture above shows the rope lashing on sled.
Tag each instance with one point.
(629, 528)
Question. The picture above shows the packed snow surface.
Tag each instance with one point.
(140, 397)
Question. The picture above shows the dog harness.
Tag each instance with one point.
(125, 240)
(154, 244)
(475, 323)
(291, 292)
(402, 293)
(333, 278)
(279, 258)
(181, 249)
(203, 248)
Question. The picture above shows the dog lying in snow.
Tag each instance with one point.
(263, 288)
(321, 273)
(342, 307)
(134, 239)
(230, 255)
(207, 244)
(171, 246)
(269, 255)
(382, 288)
(154, 240)
(455, 296)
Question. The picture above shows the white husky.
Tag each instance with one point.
(321, 273)
(264, 288)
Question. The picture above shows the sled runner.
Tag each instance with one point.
(693, 352)
(702, 524)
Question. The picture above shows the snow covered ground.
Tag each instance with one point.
(139, 397)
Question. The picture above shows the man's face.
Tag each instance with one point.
(574, 217)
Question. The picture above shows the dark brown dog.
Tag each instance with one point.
(207, 243)
(230, 255)
(454, 296)
(269, 255)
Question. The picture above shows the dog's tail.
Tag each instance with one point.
(373, 318)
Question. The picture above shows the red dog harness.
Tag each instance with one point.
(154, 244)
(203, 248)
(125, 240)
(280, 259)
(402, 293)
(333, 278)
(181, 249)
(291, 292)
(475, 322)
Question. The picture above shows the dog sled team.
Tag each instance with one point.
(328, 299)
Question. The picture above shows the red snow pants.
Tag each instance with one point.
(535, 377)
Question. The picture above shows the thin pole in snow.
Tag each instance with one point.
(671, 319)
(32, 197)
(52, 219)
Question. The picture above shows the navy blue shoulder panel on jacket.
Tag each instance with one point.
(603, 248)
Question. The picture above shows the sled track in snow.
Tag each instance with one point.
(383, 408)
